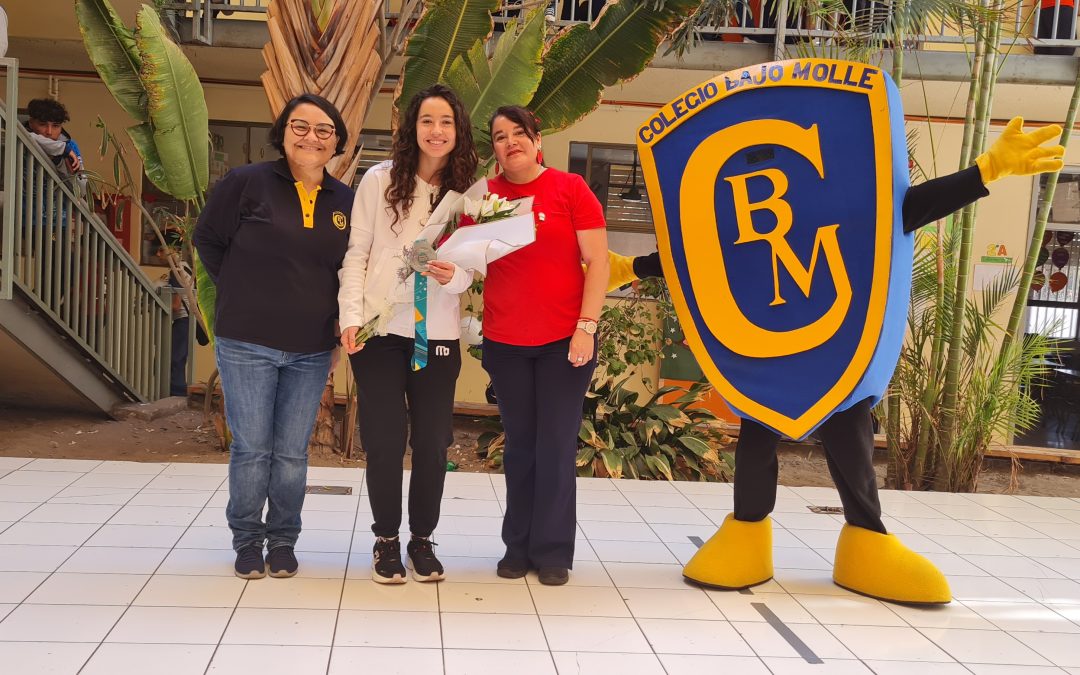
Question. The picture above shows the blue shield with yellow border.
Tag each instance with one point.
(777, 194)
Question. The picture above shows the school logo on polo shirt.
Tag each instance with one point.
(776, 193)
(339, 220)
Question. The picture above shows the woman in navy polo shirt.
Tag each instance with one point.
(272, 237)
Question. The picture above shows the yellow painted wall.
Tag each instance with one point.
(1004, 216)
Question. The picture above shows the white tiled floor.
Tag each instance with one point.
(114, 567)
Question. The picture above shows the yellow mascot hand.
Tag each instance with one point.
(1016, 153)
(621, 270)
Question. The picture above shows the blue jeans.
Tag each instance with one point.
(271, 401)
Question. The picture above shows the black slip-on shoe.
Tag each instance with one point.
(509, 568)
(554, 576)
(281, 561)
(249, 562)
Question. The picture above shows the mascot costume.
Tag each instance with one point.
(784, 217)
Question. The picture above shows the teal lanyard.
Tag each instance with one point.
(420, 343)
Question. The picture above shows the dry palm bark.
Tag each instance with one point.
(338, 55)
(338, 49)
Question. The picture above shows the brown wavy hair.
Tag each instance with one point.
(460, 170)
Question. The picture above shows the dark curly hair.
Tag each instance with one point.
(460, 170)
(47, 110)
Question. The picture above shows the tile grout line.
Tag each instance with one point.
(539, 620)
(760, 608)
(345, 575)
(5, 474)
(77, 547)
(150, 576)
(965, 665)
(75, 552)
(796, 643)
(172, 548)
(637, 621)
(352, 542)
(677, 562)
(650, 525)
(999, 627)
(232, 613)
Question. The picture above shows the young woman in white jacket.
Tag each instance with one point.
(406, 378)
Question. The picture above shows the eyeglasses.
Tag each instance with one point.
(301, 129)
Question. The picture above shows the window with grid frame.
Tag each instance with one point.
(614, 176)
(376, 146)
(1054, 300)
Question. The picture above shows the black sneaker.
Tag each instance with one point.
(512, 569)
(249, 562)
(554, 576)
(386, 567)
(425, 566)
(282, 562)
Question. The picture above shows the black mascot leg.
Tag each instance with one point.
(757, 468)
(848, 437)
(739, 555)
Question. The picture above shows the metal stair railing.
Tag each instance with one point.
(64, 261)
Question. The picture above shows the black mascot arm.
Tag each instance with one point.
(923, 204)
(937, 198)
(648, 266)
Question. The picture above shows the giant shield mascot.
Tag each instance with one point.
(784, 219)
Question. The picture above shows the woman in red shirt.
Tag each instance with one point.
(540, 313)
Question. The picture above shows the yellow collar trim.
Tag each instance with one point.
(307, 203)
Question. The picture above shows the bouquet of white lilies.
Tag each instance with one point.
(470, 230)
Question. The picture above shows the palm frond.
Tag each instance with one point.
(709, 13)
(918, 175)
(584, 59)
(331, 50)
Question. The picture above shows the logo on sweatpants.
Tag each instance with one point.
(442, 350)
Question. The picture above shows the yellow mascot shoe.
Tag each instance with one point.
(880, 566)
(738, 556)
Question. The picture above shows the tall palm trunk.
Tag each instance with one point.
(931, 397)
(892, 401)
(1035, 243)
(948, 413)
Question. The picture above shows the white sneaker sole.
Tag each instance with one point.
(434, 576)
(396, 579)
(257, 574)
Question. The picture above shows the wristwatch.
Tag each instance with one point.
(587, 325)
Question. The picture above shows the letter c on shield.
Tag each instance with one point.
(704, 254)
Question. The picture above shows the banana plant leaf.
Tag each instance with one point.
(586, 58)
(447, 29)
(207, 295)
(510, 78)
(111, 47)
(177, 109)
(142, 137)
